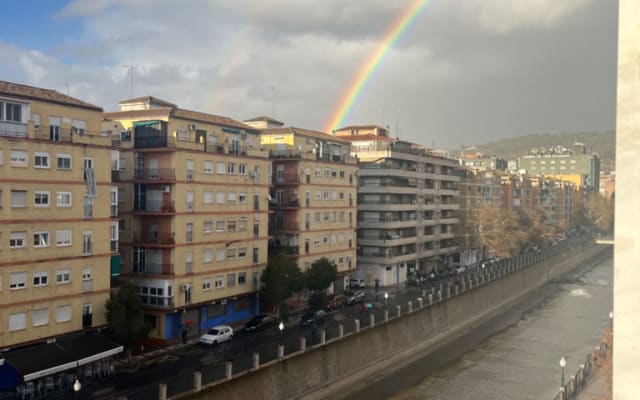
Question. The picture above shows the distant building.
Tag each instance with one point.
(407, 203)
(480, 162)
(264, 122)
(608, 185)
(577, 166)
(313, 198)
(194, 191)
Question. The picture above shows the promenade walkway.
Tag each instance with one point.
(596, 389)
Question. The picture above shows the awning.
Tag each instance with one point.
(115, 266)
(145, 123)
(45, 359)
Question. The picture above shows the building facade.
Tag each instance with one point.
(407, 204)
(577, 166)
(58, 231)
(313, 198)
(193, 190)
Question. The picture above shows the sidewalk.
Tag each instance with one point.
(596, 389)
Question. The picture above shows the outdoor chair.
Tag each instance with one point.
(49, 385)
(30, 390)
(88, 373)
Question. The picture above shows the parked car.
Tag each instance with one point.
(460, 269)
(356, 283)
(337, 301)
(217, 334)
(260, 322)
(355, 297)
(313, 318)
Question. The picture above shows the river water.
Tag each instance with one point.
(522, 361)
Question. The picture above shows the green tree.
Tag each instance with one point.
(280, 280)
(318, 278)
(125, 322)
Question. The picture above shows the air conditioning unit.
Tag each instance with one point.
(192, 127)
(166, 189)
(243, 134)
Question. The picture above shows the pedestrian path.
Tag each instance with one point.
(596, 389)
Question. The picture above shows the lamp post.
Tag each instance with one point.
(281, 328)
(386, 297)
(611, 320)
(76, 387)
(563, 363)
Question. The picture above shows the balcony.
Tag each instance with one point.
(87, 320)
(287, 250)
(156, 301)
(13, 129)
(146, 268)
(155, 174)
(286, 203)
(155, 206)
(150, 238)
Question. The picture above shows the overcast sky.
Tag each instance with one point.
(467, 72)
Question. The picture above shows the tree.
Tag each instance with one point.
(539, 230)
(125, 322)
(598, 211)
(280, 279)
(318, 278)
(501, 232)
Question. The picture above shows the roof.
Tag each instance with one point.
(181, 113)
(148, 99)
(50, 95)
(264, 118)
(357, 138)
(303, 132)
(349, 127)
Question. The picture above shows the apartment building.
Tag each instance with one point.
(313, 198)
(193, 190)
(407, 200)
(58, 231)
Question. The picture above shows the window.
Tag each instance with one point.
(220, 255)
(231, 197)
(206, 284)
(40, 278)
(242, 278)
(11, 111)
(207, 226)
(188, 232)
(231, 280)
(341, 174)
(231, 168)
(17, 322)
(219, 283)
(63, 161)
(231, 225)
(219, 226)
(18, 198)
(242, 224)
(40, 317)
(17, 280)
(242, 252)
(334, 173)
(318, 216)
(242, 169)
(341, 196)
(40, 239)
(41, 160)
(318, 171)
(79, 127)
(17, 240)
(207, 197)
(208, 167)
(87, 279)
(221, 168)
(41, 199)
(207, 255)
(19, 157)
(63, 238)
(63, 313)
(63, 276)
(242, 198)
(87, 243)
(231, 253)
(63, 199)
(220, 197)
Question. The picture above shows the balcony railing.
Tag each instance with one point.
(153, 237)
(288, 250)
(13, 129)
(156, 301)
(159, 206)
(163, 174)
(153, 268)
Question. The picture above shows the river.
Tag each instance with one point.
(521, 360)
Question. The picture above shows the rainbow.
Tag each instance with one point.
(395, 32)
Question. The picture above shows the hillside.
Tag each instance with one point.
(603, 143)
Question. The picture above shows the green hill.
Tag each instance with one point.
(602, 143)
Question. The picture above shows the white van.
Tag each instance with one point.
(356, 283)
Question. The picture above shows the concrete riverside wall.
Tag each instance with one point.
(313, 373)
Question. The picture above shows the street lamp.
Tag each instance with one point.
(611, 320)
(563, 363)
(386, 296)
(281, 328)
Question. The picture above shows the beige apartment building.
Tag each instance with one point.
(407, 204)
(313, 197)
(193, 190)
(58, 231)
